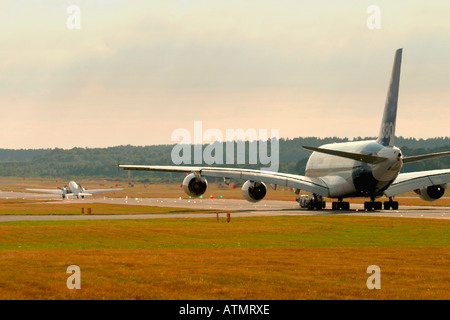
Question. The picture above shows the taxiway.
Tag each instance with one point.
(239, 208)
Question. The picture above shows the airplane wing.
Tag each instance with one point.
(417, 180)
(314, 185)
(54, 191)
(93, 191)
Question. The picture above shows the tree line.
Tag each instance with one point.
(95, 163)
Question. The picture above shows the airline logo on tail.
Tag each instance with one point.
(387, 131)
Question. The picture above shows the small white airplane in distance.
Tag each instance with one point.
(74, 189)
(369, 169)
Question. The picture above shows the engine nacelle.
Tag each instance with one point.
(254, 191)
(194, 186)
(431, 193)
(63, 192)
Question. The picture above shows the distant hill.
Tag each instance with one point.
(21, 154)
(81, 163)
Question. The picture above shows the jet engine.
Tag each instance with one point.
(254, 191)
(431, 193)
(194, 186)
(63, 192)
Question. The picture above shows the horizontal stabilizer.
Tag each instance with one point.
(426, 156)
(348, 155)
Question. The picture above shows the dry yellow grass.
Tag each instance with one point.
(246, 273)
(323, 257)
(318, 257)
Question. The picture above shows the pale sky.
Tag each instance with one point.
(136, 71)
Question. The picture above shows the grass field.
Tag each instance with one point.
(289, 257)
(41, 207)
(301, 257)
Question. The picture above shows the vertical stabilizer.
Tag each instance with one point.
(387, 129)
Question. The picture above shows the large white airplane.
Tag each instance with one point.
(368, 169)
(74, 189)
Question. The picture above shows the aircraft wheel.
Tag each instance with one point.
(394, 205)
(390, 205)
(346, 206)
(340, 206)
(374, 205)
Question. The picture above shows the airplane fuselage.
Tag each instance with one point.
(75, 188)
(351, 178)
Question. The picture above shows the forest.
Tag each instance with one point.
(95, 163)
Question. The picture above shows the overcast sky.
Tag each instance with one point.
(136, 71)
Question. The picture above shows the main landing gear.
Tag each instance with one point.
(391, 205)
(316, 202)
(340, 205)
(377, 205)
(372, 205)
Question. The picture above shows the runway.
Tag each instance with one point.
(238, 208)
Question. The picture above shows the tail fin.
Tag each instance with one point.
(387, 129)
